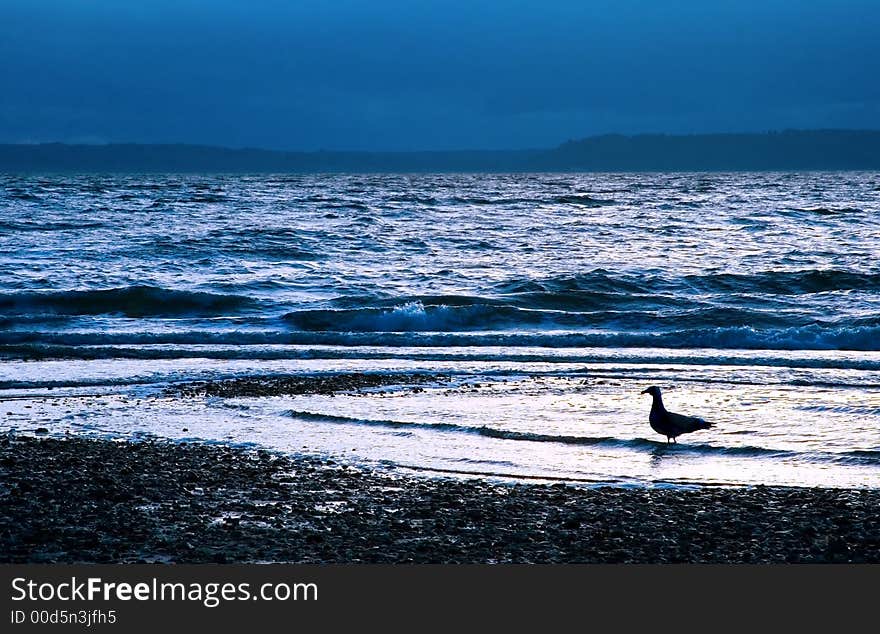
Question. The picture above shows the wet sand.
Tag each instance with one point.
(79, 500)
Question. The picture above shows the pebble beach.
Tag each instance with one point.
(97, 501)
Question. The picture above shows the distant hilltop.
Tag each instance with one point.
(788, 150)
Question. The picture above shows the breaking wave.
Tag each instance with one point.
(131, 301)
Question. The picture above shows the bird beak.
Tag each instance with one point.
(644, 391)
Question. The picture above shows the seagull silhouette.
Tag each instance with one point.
(667, 423)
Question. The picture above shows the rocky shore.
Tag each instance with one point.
(287, 385)
(79, 500)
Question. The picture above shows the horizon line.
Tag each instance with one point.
(636, 135)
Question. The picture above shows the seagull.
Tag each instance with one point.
(669, 424)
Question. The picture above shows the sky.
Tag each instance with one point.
(431, 74)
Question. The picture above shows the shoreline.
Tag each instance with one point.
(98, 501)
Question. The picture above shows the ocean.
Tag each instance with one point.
(534, 308)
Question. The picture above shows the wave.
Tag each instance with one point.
(584, 200)
(787, 282)
(415, 316)
(252, 243)
(131, 301)
(498, 200)
(827, 211)
(695, 326)
(597, 299)
(633, 444)
(810, 337)
(597, 280)
(801, 282)
(466, 314)
(39, 344)
(17, 193)
(32, 226)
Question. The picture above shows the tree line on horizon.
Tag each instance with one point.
(786, 150)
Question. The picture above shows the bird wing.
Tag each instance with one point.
(684, 424)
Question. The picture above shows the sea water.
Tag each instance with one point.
(540, 306)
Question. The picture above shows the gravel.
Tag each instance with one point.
(78, 500)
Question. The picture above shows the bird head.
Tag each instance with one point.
(653, 391)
